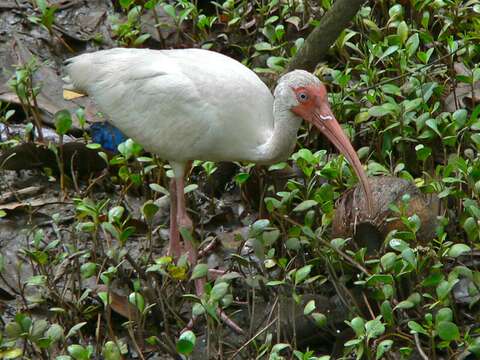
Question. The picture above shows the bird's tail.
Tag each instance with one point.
(70, 90)
(79, 73)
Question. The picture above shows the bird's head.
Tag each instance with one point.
(305, 96)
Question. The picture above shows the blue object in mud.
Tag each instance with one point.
(107, 135)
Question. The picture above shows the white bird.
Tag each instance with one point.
(194, 104)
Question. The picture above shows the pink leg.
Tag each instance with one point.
(184, 222)
(175, 249)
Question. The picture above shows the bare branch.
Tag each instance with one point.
(323, 36)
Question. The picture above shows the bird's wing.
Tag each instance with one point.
(178, 103)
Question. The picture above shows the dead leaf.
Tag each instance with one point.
(70, 95)
(119, 303)
(30, 190)
(27, 203)
(461, 96)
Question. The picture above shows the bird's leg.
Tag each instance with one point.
(184, 221)
(175, 248)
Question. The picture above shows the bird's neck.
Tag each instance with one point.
(283, 137)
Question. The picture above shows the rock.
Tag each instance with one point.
(352, 219)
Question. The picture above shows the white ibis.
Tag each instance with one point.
(194, 104)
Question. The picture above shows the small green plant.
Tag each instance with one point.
(128, 32)
(47, 15)
(27, 92)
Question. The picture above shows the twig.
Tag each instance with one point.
(253, 338)
(390, 80)
(419, 347)
(209, 247)
(338, 251)
(368, 305)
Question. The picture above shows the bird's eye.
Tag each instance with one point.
(302, 97)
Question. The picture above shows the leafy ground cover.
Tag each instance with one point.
(83, 271)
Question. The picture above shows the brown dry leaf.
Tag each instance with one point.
(120, 303)
(461, 96)
(70, 95)
(30, 203)
(15, 194)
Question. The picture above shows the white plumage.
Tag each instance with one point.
(159, 98)
(196, 104)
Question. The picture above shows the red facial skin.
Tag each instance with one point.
(313, 107)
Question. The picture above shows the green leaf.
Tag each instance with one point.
(198, 309)
(388, 260)
(190, 188)
(13, 330)
(447, 331)
(55, 332)
(125, 4)
(305, 205)
(88, 270)
(199, 271)
(382, 110)
(398, 244)
(358, 325)
(115, 213)
(278, 166)
(320, 319)
(141, 39)
(149, 209)
(374, 328)
(63, 121)
(411, 105)
(386, 311)
(470, 227)
(137, 299)
(75, 329)
(416, 328)
(279, 347)
(302, 273)
(432, 124)
(423, 152)
(258, 227)
(445, 287)
(158, 188)
(412, 44)
(11, 353)
(263, 46)
(186, 343)
(405, 304)
(78, 352)
(409, 256)
(444, 314)
(376, 279)
(37, 280)
(391, 89)
(219, 291)
(111, 351)
(402, 31)
(241, 178)
(309, 307)
(458, 249)
(383, 347)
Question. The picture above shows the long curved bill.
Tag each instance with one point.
(324, 120)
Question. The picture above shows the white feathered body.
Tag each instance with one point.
(180, 104)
